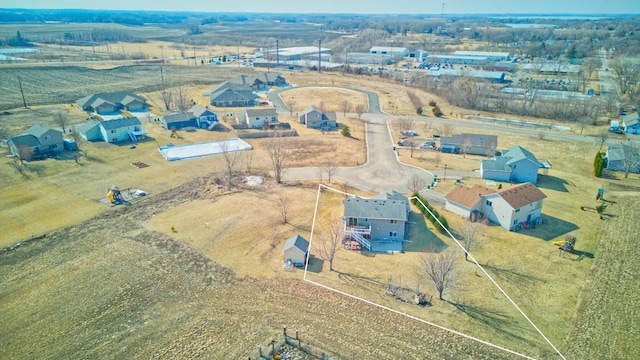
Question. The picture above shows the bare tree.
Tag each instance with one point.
(440, 268)
(332, 237)
(248, 160)
(19, 167)
(291, 103)
(322, 106)
(285, 204)
(411, 145)
(583, 121)
(470, 232)
(359, 110)
(626, 73)
(416, 183)
(231, 158)
(345, 105)
(446, 129)
(603, 136)
(330, 167)
(23, 153)
(4, 133)
(278, 149)
(630, 158)
(61, 120)
(167, 98)
(79, 140)
(406, 125)
(182, 103)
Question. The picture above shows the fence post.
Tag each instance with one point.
(285, 333)
(273, 346)
(260, 351)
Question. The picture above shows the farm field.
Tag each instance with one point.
(191, 290)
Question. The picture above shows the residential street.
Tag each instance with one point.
(383, 171)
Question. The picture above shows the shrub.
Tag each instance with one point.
(598, 164)
(437, 112)
(345, 130)
(433, 103)
(419, 110)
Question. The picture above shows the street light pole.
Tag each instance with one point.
(445, 172)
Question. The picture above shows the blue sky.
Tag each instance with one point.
(344, 6)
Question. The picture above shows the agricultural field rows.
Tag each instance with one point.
(66, 84)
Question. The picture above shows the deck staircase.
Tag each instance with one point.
(355, 235)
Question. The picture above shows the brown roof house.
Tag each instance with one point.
(512, 208)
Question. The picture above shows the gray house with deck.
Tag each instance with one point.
(40, 141)
(377, 224)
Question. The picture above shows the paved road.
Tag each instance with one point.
(382, 171)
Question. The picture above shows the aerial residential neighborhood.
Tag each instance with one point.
(319, 181)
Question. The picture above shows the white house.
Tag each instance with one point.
(259, 118)
(512, 208)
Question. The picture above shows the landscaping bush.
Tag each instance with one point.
(431, 214)
(433, 103)
(345, 130)
(598, 164)
(436, 111)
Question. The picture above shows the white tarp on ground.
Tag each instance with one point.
(172, 152)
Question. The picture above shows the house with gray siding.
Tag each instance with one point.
(205, 117)
(112, 103)
(513, 164)
(378, 224)
(518, 206)
(621, 156)
(472, 144)
(314, 118)
(230, 94)
(40, 141)
(631, 123)
(113, 131)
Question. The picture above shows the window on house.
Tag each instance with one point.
(515, 222)
(257, 118)
(113, 131)
(394, 221)
(517, 210)
(393, 233)
(489, 203)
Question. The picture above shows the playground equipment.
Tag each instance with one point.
(567, 245)
(407, 293)
(114, 196)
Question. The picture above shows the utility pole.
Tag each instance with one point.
(24, 102)
(195, 61)
(444, 178)
(319, 55)
(162, 77)
(277, 52)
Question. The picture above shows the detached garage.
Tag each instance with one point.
(295, 249)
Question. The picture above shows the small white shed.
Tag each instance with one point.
(295, 249)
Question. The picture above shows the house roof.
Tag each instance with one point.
(119, 123)
(297, 242)
(25, 140)
(38, 130)
(178, 117)
(88, 126)
(329, 115)
(119, 97)
(392, 195)
(520, 195)
(616, 152)
(232, 92)
(468, 196)
(199, 110)
(268, 77)
(508, 157)
(630, 119)
(244, 80)
(358, 207)
(475, 140)
(261, 112)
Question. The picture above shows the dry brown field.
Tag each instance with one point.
(224, 249)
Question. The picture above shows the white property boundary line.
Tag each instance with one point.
(321, 186)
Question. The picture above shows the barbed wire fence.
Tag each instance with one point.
(292, 347)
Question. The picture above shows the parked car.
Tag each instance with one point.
(428, 145)
(409, 133)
